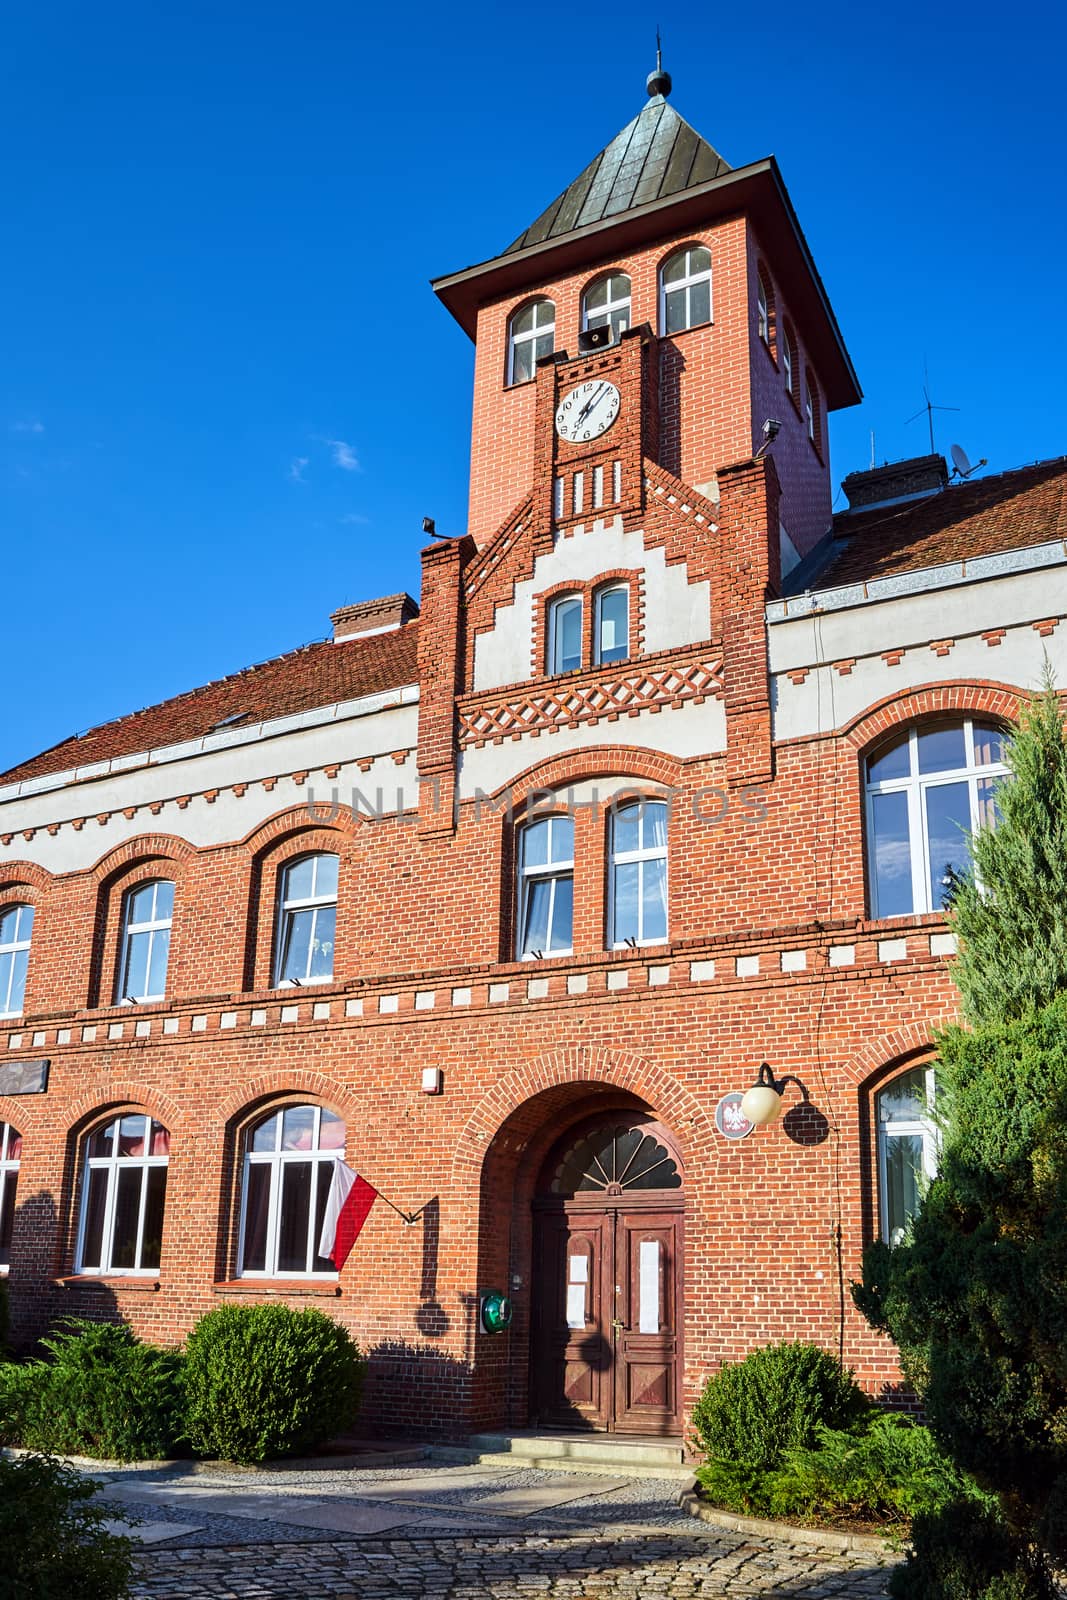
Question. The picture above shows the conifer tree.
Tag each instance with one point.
(1009, 908)
(976, 1297)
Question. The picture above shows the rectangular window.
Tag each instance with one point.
(612, 625)
(565, 635)
(546, 887)
(638, 874)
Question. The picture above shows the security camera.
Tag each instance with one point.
(771, 429)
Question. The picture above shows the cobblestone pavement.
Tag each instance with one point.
(627, 1564)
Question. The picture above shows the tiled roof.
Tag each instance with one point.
(1008, 511)
(316, 675)
(656, 155)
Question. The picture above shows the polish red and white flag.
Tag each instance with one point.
(347, 1208)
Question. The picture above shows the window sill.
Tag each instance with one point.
(92, 1280)
(276, 1286)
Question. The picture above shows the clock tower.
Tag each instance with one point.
(658, 234)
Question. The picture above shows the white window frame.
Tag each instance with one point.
(530, 335)
(785, 346)
(915, 785)
(277, 1159)
(598, 642)
(154, 927)
(687, 283)
(9, 1172)
(763, 310)
(614, 309)
(14, 947)
(552, 871)
(288, 906)
(924, 1127)
(556, 609)
(642, 854)
(113, 1164)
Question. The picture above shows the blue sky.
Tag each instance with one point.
(227, 395)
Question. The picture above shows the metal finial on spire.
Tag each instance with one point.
(658, 82)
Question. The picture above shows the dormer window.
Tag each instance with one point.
(607, 304)
(612, 633)
(564, 634)
(685, 289)
(531, 337)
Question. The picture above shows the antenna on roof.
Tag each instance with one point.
(658, 82)
(961, 464)
(929, 409)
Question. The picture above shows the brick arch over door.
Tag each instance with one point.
(593, 1067)
(498, 1155)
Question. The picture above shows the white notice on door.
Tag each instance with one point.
(648, 1287)
(579, 1269)
(576, 1305)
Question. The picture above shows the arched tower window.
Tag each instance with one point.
(685, 289)
(606, 303)
(531, 337)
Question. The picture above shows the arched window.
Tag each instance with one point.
(763, 309)
(606, 303)
(611, 636)
(546, 888)
(637, 912)
(531, 337)
(812, 411)
(907, 1148)
(124, 1186)
(307, 920)
(10, 1155)
(563, 634)
(928, 790)
(147, 912)
(788, 346)
(685, 289)
(288, 1166)
(613, 1158)
(16, 929)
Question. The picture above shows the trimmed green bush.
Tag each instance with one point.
(263, 1381)
(103, 1394)
(886, 1470)
(753, 1410)
(53, 1542)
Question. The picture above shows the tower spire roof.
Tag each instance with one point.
(656, 155)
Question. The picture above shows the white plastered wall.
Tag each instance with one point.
(676, 612)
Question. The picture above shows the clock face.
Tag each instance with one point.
(588, 411)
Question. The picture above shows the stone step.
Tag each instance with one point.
(634, 1457)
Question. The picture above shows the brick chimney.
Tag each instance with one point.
(896, 480)
(373, 616)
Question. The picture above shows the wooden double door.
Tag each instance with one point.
(607, 1301)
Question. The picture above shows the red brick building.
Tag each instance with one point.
(507, 895)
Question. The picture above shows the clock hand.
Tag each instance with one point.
(589, 404)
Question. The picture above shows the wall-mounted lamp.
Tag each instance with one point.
(762, 1104)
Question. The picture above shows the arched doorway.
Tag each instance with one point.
(607, 1290)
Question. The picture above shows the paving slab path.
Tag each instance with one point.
(452, 1534)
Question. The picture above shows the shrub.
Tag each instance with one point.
(751, 1411)
(885, 1470)
(5, 1318)
(103, 1394)
(264, 1381)
(966, 1552)
(54, 1544)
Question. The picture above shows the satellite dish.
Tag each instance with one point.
(960, 460)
